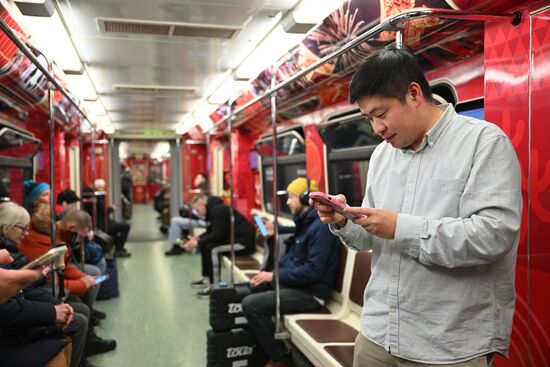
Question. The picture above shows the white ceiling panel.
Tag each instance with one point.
(164, 60)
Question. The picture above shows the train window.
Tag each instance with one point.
(286, 172)
(17, 149)
(474, 108)
(348, 132)
(289, 143)
(11, 183)
(349, 178)
(350, 142)
(17, 145)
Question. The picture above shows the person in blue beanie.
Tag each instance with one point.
(35, 193)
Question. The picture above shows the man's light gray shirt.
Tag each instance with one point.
(442, 291)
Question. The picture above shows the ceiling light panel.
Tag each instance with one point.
(153, 89)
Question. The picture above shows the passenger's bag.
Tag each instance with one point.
(109, 288)
(225, 306)
(233, 348)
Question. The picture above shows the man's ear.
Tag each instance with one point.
(415, 92)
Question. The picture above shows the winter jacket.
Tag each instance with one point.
(36, 244)
(217, 232)
(311, 263)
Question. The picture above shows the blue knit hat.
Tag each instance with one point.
(33, 190)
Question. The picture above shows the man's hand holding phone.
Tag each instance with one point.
(329, 207)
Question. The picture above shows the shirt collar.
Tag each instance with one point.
(435, 132)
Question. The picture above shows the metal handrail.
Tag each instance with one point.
(27, 52)
(24, 135)
(392, 23)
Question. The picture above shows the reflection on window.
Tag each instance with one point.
(349, 134)
(11, 183)
(288, 144)
(349, 178)
(285, 174)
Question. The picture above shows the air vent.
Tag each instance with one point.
(108, 25)
(201, 31)
(136, 28)
(153, 89)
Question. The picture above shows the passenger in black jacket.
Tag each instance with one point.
(307, 273)
(217, 233)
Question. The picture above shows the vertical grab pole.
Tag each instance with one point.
(51, 146)
(399, 38)
(94, 198)
(280, 332)
(208, 161)
(231, 210)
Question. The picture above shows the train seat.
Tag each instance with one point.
(327, 340)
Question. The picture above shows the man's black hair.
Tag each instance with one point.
(388, 73)
(68, 196)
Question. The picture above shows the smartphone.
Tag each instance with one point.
(101, 278)
(47, 258)
(337, 205)
(261, 225)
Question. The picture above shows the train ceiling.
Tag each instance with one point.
(151, 63)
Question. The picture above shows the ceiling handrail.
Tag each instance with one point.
(393, 23)
(25, 49)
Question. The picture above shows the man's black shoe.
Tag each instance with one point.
(100, 315)
(85, 363)
(175, 250)
(96, 345)
(122, 253)
(201, 283)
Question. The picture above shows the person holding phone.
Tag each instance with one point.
(442, 211)
(307, 273)
(29, 309)
(218, 217)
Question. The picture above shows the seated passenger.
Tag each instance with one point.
(217, 234)
(15, 314)
(187, 220)
(35, 193)
(118, 230)
(307, 272)
(66, 200)
(38, 242)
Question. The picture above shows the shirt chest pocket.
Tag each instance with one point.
(446, 186)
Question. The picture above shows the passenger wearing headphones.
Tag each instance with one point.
(307, 273)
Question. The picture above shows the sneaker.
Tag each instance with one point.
(100, 315)
(122, 253)
(205, 294)
(201, 283)
(96, 345)
(175, 250)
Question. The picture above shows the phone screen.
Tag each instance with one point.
(101, 278)
(261, 225)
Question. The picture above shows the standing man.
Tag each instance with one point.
(307, 273)
(443, 212)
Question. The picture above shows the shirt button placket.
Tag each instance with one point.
(408, 200)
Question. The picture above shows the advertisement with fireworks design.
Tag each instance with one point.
(436, 42)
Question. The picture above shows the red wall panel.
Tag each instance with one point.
(508, 103)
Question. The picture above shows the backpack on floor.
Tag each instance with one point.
(109, 288)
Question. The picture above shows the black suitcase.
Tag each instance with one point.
(225, 306)
(234, 348)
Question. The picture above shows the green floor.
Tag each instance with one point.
(157, 320)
